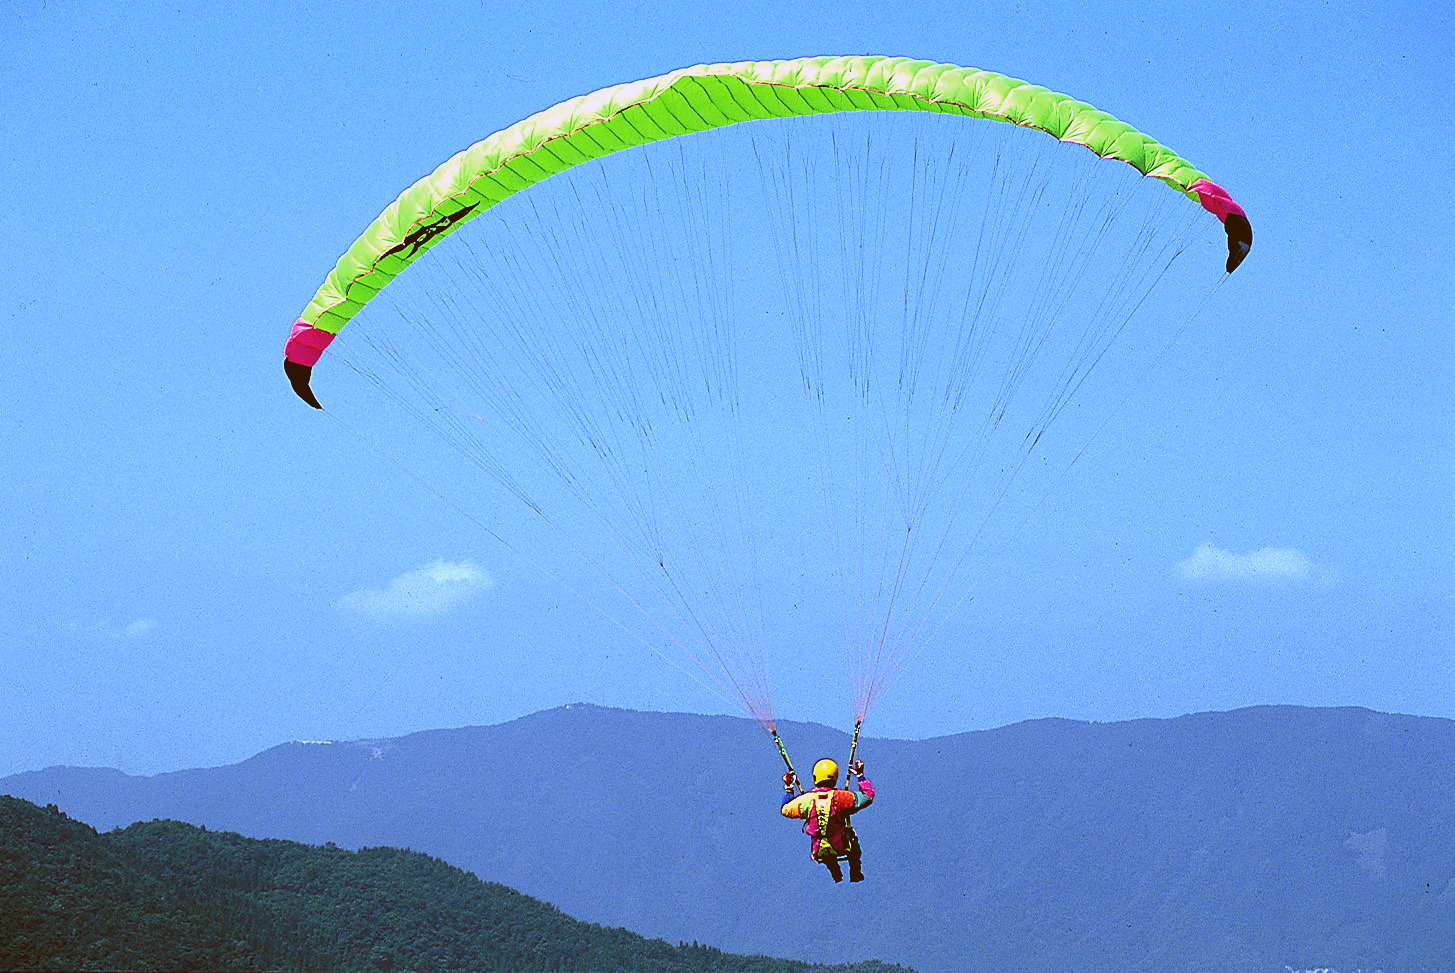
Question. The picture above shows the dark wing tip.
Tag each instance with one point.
(1240, 239)
(299, 376)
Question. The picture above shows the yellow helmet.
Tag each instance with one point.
(825, 772)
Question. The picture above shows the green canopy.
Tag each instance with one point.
(703, 97)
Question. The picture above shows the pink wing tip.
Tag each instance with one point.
(1215, 199)
(306, 343)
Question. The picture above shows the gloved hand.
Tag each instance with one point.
(790, 781)
(857, 768)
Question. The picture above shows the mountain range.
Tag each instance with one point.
(1261, 840)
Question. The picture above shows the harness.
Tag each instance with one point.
(822, 849)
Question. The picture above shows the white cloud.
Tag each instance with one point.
(431, 590)
(1269, 564)
(104, 629)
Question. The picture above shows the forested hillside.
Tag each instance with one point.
(163, 895)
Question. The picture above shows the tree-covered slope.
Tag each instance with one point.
(163, 895)
(71, 899)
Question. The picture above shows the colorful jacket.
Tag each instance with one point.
(825, 812)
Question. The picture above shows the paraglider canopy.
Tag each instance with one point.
(696, 99)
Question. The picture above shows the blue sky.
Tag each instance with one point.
(193, 566)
